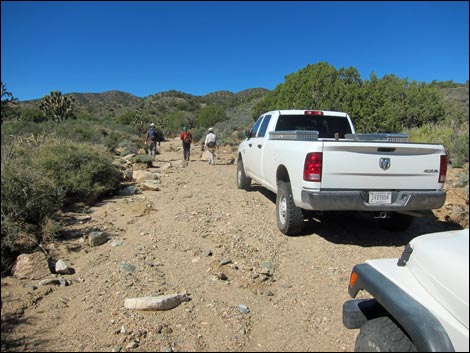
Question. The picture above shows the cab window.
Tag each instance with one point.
(264, 126)
(255, 127)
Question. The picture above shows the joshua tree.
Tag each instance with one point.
(56, 106)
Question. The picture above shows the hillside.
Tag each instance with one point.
(112, 104)
(242, 105)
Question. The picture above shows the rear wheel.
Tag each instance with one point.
(243, 182)
(397, 222)
(383, 335)
(290, 218)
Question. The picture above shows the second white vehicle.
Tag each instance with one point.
(418, 303)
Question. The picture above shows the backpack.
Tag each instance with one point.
(187, 138)
(152, 134)
(211, 143)
(160, 136)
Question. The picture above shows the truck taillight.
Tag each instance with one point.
(443, 169)
(313, 166)
(313, 112)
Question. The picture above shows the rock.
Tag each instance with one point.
(133, 344)
(207, 253)
(266, 265)
(63, 282)
(225, 262)
(162, 302)
(222, 276)
(115, 243)
(97, 238)
(152, 185)
(143, 175)
(243, 309)
(48, 281)
(63, 267)
(31, 266)
(129, 190)
(179, 164)
(127, 267)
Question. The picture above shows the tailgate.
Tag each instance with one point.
(381, 166)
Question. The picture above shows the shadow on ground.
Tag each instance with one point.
(361, 228)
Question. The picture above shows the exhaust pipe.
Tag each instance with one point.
(383, 215)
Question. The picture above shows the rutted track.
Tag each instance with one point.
(177, 238)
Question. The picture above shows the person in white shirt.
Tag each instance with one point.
(210, 144)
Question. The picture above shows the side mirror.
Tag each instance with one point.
(247, 134)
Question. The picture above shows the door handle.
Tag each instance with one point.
(249, 144)
(259, 146)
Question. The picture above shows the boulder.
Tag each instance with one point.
(31, 266)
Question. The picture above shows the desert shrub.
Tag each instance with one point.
(85, 116)
(28, 195)
(456, 143)
(458, 150)
(85, 172)
(40, 174)
(21, 128)
(28, 198)
(9, 249)
(462, 179)
(32, 115)
(128, 147)
(432, 133)
(142, 158)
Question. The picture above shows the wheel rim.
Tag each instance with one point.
(239, 177)
(282, 209)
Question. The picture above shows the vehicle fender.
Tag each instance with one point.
(426, 332)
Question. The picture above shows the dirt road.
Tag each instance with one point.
(202, 236)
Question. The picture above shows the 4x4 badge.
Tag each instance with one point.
(384, 163)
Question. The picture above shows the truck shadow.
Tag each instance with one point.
(361, 228)
(356, 228)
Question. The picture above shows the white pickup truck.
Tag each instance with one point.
(314, 161)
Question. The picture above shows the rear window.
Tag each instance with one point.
(326, 125)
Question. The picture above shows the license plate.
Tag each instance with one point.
(380, 197)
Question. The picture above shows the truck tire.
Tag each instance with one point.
(290, 218)
(243, 182)
(383, 335)
(397, 222)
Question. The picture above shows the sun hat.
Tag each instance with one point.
(152, 124)
(210, 129)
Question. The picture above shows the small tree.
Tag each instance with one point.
(7, 99)
(210, 115)
(57, 107)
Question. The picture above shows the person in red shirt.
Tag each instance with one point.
(187, 138)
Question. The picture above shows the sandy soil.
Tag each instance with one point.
(202, 236)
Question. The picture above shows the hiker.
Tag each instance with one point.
(210, 144)
(151, 137)
(187, 138)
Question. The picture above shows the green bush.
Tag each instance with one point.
(85, 172)
(456, 143)
(40, 174)
(28, 195)
(142, 158)
(458, 150)
(128, 147)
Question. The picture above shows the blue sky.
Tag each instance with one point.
(201, 47)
